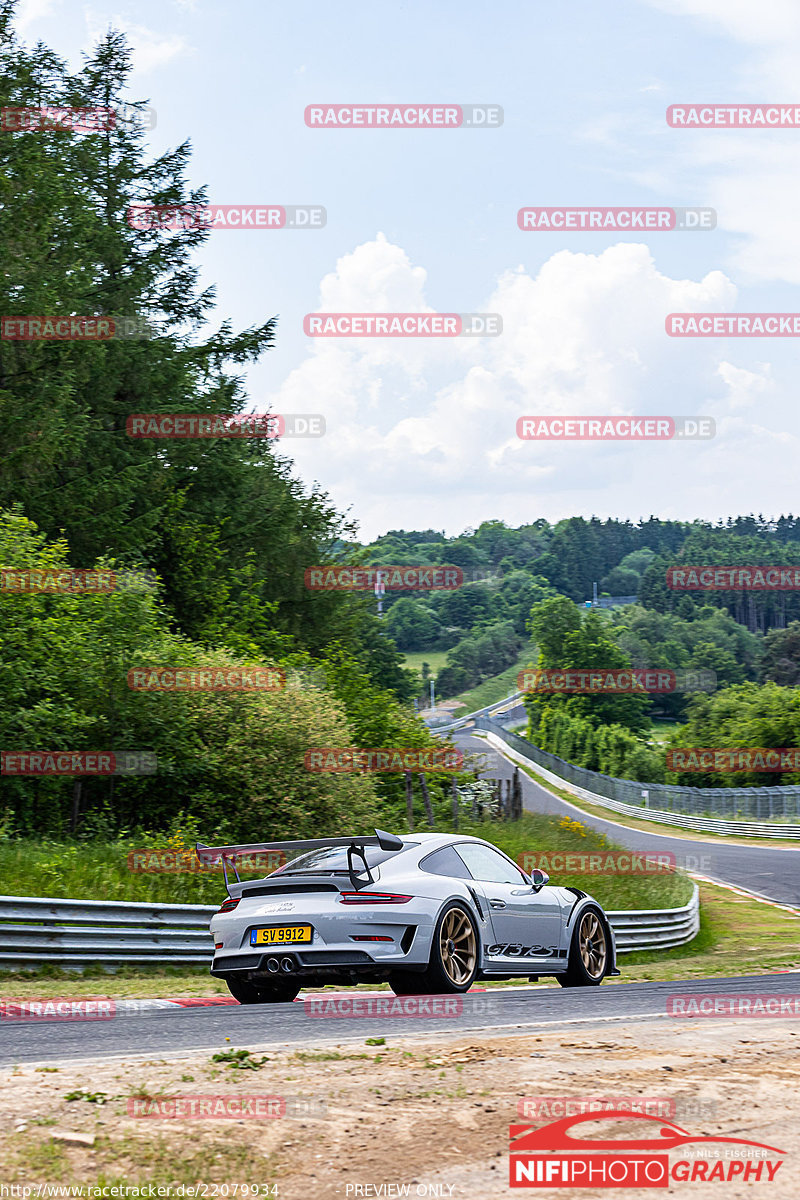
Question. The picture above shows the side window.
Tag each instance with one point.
(486, 865)
(445, 862)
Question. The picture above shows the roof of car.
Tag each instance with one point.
(443, 839)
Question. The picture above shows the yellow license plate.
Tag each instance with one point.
(281, 935)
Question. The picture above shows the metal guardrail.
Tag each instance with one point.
(480, 712)
(653, 929)
(73, 933)
(686, 807)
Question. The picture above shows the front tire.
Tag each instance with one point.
(453, 963)
(589, 953)
(272, 993)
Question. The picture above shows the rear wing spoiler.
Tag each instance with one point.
(355, 847)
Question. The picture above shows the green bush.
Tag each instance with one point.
(88, 870)
(236, 757)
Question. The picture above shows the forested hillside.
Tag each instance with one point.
(507, 570)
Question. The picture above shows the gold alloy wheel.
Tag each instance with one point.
(592, 941)
(458, 946)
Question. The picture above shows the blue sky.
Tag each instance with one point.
(422, 434)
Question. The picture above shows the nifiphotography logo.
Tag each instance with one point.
(662, 1153)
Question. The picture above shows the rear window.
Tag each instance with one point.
(333, 860)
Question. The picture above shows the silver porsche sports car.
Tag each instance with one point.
(429, 912)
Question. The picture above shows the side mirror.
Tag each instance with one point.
(539, 879)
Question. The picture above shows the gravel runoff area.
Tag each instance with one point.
(424, 1115)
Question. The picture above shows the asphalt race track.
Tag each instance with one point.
(161, 1032)
(764, 870)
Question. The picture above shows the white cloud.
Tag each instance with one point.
(31, 11)
(420, 426)
(747, 389)
(750, 177)
(151, 50)
(770, 22)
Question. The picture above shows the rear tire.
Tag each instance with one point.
(408, 983)
(453, 963)
(589, 952)
(274, 993)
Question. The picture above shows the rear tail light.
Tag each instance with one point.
(371, 938)
(227, 905)
(373, 898)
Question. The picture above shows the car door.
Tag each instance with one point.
(525, 924)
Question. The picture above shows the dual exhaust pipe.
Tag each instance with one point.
(274, 965)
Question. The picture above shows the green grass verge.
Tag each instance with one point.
(435, 659)
(662, 729)
(738, 936)
(88, 871)
(499, 686)
(100, 871)
(541, 834)
(133, 983)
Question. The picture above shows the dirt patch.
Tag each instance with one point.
(429, 1113)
